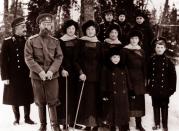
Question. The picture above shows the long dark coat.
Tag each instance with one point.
(90, 64)
(162, 76)
(70, 52)
(148, 36)
(125, 29)
(115, 88)
(13, 68)
(135, 62)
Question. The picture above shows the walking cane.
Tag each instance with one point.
(66, 103)
(79, 101)
(46, 101)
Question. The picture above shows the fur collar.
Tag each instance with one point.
(112, 41)
(90, 39)
(129, 46)
(68, 38)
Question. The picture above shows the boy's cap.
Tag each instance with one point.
(159, 40)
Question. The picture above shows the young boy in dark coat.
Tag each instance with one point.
(162, 83)
(115, 91)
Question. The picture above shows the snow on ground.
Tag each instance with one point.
(7, 117)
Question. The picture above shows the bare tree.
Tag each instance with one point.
(6, 12)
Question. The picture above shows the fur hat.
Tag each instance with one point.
(17, 22)
(69, 23)
(88, 24)
(140, 13)
(135, 33)
(112, 27)
(115, 51)
(121, 12)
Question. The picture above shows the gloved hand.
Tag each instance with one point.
(132, 94)
(105, 99)
(6, 82)
(42, 75)
(82, 77)
(64, 73)
(49, 75)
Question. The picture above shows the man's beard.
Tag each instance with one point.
(44, 32)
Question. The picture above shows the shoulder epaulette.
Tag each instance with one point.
(101, 23)
(116, 23)
(34, 36)
(53, 37)
(8, 38)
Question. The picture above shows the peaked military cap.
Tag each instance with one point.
(44, 17)
(18, 21)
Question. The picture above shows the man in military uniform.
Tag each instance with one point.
(43, 56)
(15, 73)
(108, 19)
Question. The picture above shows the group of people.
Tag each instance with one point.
(109, 68)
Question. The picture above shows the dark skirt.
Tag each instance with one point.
(137, 106)
(72, 100)
(88, 107)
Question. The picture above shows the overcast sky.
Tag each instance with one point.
(157, 4)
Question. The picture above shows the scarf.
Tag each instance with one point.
(90, 39)
(68, 38)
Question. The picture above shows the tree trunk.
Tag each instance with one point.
(6, 2)
(87, 10)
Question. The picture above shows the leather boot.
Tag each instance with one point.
(43, 120)
(53, 118)
(165, 117)
(139, 124)
(156, 118)
(16, 114)
(27, 115)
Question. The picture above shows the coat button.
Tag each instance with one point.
(114, 83)
(17, 54)
(18, 60)
(153, 74)
(163, 69)
(122, 73)
(162, 74)
(18, 67)
(152, 85)
(115, 92)
(163, 63)
(17, 49)
(113, 74)
(162, 86)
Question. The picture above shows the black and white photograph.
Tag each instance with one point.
(89, 65)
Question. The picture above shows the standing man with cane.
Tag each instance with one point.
(43, 56)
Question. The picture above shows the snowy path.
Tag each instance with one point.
(7, 118)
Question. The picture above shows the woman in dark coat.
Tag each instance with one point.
(124, 25)
(144, 27)
(135, 61)
(115, 91)
(113, 33)
(89, 69)
(15, 73)
(69, 44)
